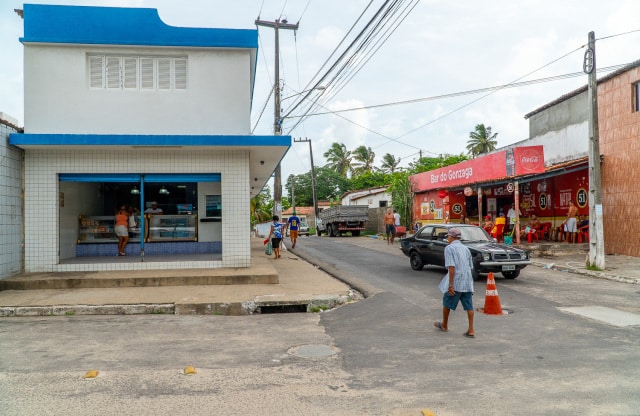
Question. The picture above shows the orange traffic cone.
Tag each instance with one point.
(492, 300)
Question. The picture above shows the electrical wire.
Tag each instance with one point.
(469, 92)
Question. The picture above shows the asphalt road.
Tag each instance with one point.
(377, 356)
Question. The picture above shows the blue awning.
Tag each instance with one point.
(135, 177)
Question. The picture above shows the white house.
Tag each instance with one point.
(373, 197)
(121, 108)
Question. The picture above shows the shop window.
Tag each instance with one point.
(213, 207)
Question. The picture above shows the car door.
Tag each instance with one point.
(439, 242)
(422, 242)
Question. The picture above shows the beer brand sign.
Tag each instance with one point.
(524, 160)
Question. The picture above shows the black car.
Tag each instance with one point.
(427, 247)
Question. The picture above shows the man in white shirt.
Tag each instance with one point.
(154, 209)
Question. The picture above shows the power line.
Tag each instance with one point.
(467, 92)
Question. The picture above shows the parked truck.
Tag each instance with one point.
(343, 218)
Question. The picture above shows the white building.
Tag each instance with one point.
(121, 108)
(373, 197)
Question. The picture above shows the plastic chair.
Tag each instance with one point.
(544, 232)
(583, 234)
(533, 234)
(499, 233)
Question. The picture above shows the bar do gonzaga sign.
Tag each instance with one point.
(433, 189)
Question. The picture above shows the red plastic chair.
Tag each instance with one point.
(533, 234)
(544, 232)
(583, 234)
(499, 233)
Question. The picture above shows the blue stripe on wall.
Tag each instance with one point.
(123, 26)
(134, 177)
(28, 139)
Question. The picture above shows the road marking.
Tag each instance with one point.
(608, 315)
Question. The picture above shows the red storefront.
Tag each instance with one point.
(491, 183)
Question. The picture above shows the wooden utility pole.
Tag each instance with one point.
(313, 183)
(277, 120)
(596, 231)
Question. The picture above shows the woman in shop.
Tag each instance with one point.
(122, 229)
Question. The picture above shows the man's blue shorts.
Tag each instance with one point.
(451, 302)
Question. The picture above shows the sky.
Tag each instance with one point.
(441, 48)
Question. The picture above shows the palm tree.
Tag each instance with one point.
(481, 141)
(338, 158)
(365, 158)
(390, 163)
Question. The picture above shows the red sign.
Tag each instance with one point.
(528, 160)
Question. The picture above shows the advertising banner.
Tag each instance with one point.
(518, 161)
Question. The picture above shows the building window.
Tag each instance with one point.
(636, 96)
(213, 207)
(144, 73)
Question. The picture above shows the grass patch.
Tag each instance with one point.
(69, 313)
(593, 268)
(320, 308)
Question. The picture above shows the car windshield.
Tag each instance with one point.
(473, 234)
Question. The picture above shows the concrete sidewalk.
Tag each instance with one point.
(299, 286)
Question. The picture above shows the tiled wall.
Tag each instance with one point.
(619, 127)
(10, 205)
(42, 202)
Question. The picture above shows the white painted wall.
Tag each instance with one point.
(57, 97)
(42, 208)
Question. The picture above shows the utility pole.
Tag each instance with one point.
(313, 183)
(596, 231)
(277, 120)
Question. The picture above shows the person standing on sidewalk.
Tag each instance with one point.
(276, 235)
(457, 284)
(293, 224)
(571, 223)
(389, 227)
(396, 223)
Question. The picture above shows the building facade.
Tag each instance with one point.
(11, 225)
(122, 109)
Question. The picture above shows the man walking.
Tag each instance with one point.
(457, 284)
(294, 226)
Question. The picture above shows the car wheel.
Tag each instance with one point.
(511, 275)
(416, 261)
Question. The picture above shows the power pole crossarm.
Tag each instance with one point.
(277, 120)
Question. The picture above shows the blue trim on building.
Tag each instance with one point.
(29, 139)
(123, 26)
(135, 177)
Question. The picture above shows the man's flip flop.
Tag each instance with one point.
(468, 335)
(439, 326)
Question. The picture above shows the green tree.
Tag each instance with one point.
(402, 197)
(364, 158)
(261, 207)
(481, 140)
(426, 164)
(329, 185)
(390, 163)
(370, 180)
(339, 158)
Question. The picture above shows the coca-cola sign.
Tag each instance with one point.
(530, 159)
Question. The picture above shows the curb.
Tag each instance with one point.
(321, 302)
(585, 272)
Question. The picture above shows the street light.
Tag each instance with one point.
(318, 88)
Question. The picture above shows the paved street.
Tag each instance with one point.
(379, 355)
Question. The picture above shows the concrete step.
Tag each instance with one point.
(142, 278)
(553, 249)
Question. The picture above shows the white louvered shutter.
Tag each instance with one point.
(164, 74)
(180, 65)
(113, 72)
(147, 72)
(130, 72)
(96, 72)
